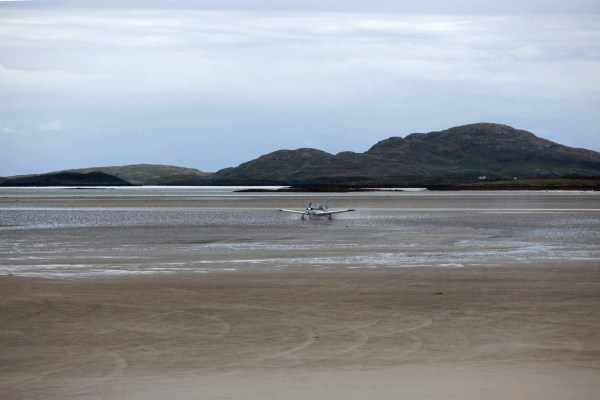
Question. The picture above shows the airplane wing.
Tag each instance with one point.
(292, 211)
(336, 211)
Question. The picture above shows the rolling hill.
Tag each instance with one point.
(461, 153)
(148, 174)
(456, 155)
(95, 178)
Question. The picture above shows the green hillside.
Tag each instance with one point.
(463, 153)
(150, 174)
(95, 178)
(460, 155)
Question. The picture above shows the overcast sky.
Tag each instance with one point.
(212, 84)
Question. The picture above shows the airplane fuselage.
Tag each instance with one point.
(317, 213)
(317, 210)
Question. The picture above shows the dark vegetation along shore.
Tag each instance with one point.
(95, 178)
(523, 184)
(480, 156)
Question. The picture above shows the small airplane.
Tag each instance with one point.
(317, 210)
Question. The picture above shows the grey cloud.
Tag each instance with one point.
(175, 86)
(268, 54)
(436, 7)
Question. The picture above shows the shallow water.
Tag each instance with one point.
(202, 230)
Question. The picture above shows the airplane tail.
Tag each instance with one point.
(326, 205)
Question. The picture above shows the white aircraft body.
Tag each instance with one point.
(317, 210)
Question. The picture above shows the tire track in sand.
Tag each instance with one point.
(309, 339)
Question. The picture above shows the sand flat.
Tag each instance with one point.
(426, 333)
(422, 296)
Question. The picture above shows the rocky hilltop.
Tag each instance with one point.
(461, 153)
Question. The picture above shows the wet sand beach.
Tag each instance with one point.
(414, 296)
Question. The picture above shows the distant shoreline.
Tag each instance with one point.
(578, 184)
(487, 186)
(355, 188)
